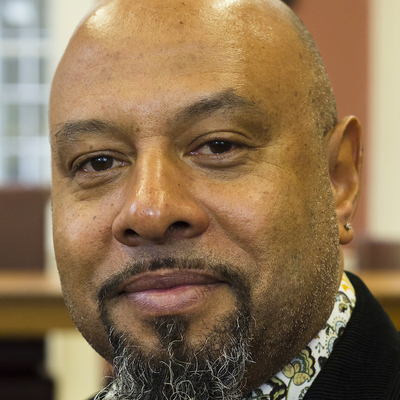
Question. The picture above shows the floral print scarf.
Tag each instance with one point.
(293, 381)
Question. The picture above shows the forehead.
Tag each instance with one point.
(134, 57)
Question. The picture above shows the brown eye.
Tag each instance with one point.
(101, 163)
(217, 146)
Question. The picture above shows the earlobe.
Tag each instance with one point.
(344, 156)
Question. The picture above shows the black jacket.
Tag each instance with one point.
(365, 362)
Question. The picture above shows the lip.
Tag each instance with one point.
(169, 292)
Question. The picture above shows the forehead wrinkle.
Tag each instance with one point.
(222, 101)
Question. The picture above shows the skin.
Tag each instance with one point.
(272, 203)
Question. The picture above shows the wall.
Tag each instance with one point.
(384, 105)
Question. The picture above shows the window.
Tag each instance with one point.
(24, 92)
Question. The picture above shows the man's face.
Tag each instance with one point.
(189, 183)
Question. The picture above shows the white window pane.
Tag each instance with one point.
(24, 88)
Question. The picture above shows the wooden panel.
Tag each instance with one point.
(385, 286)
(32, 317)
(22, 228)
(30, 305)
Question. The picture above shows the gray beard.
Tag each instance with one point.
(215, 371)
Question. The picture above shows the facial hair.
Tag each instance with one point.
(180, 372)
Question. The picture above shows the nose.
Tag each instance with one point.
(157, 205)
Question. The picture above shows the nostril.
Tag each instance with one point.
(178, 226)
(130, 233)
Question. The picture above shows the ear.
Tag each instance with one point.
(343, 146)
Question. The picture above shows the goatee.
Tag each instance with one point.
(181, 370)
(216, 371)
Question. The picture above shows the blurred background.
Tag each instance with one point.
(41, 354)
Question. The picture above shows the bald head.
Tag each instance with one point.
(265, 33)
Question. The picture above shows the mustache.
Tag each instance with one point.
(226, 271)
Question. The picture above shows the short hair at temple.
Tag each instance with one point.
(323, 99)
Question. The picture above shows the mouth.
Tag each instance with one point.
(169, 292)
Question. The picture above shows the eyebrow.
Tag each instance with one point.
(225, 101)
(74, 129)
(222, 101)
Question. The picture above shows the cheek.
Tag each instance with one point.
(81, 244)
(82, 235)
(260, 215)
(265, 226)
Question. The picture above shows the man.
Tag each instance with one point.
(201, 188)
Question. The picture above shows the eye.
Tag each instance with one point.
(215, 147)
(99, 164)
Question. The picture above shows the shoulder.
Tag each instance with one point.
(365, 362)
